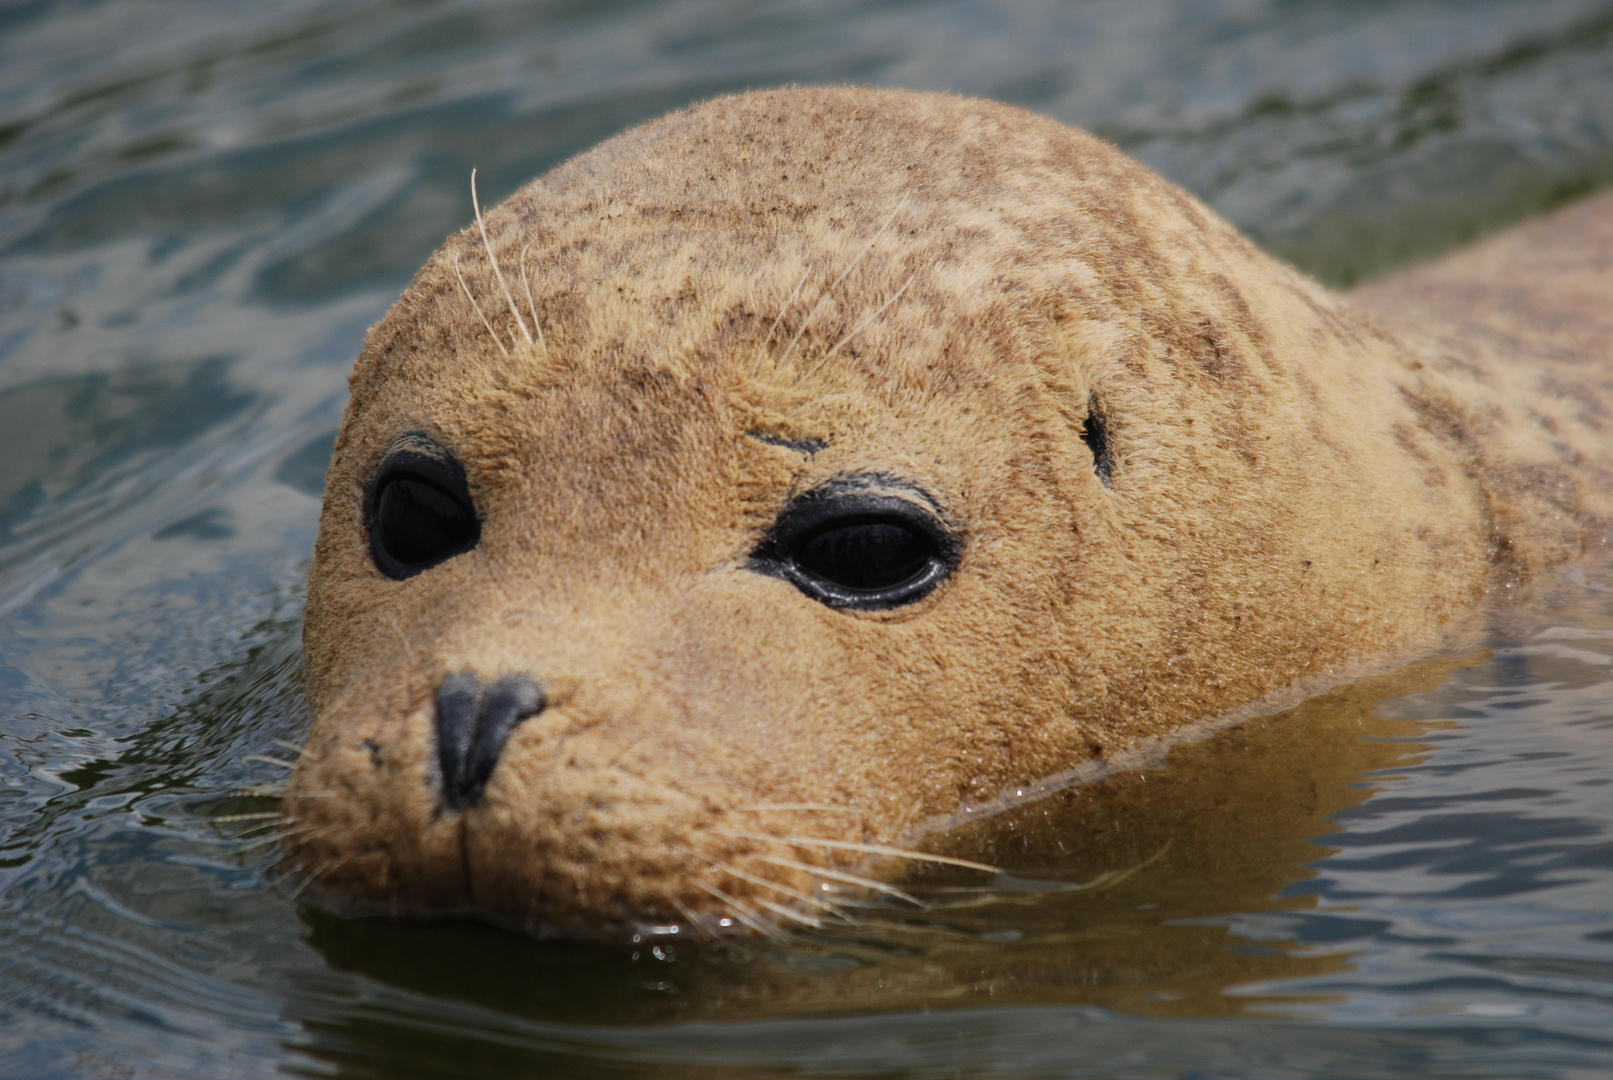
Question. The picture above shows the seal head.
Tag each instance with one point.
(785, 476)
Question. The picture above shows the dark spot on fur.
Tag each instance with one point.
(1095, 433)
(800, 446)
(1212, 351)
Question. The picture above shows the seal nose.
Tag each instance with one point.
(473, 724)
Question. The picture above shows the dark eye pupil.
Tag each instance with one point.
(865, 556)
(419, 523)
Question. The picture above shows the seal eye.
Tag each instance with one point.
(851, 548)
(865, 556)
(420, 511)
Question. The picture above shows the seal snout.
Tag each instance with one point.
(473, 723)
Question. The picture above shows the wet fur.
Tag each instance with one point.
(649, 349)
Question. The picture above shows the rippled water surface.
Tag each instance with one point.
(203, 205)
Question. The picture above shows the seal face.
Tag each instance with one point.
(783, 477)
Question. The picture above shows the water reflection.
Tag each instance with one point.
(66, 435)
(203, 206)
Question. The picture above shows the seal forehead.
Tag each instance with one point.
(725, 208)
(662, 346)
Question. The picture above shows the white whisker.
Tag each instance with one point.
(293, 747)
(741, 911)
(283, 834)
(843, 876)
(860, 327)
(258, 791)
(829, 292)
(768, 340)
(309, 880)
(478, 307)
(488, 247)
(872, 240)
(793, 916)
(264, 842)
(694, 921)
(783, 890)
(527, 285)
(247, 817)
(1110, 878)
(868, 849)
(806, 322)
(267, 760)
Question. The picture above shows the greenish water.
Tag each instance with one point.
(203, 206)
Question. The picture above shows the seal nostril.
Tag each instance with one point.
(508, 702)
(472, 728)
(459, 705)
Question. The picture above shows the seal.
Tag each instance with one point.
(805, 471)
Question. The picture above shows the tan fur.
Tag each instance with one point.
(1296, 489)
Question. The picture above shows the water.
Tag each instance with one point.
(203, 205)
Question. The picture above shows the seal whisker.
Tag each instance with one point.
(1110, 878)
(267, 760)
(768, 340)
(860, 327)
(281, 834)
(491, 332)
(783, 890)
(526, 284)
(868, 849)
(741, 911)
(247, 817)
(872, 240)
(261, 842)
(696, 922)
(333, 864)
(309, 878)
(498, 273)
(793, 916)
(828, 293)
(778, 909)
(284, 745)
(847, 878)
(258, 791)
(805, 323)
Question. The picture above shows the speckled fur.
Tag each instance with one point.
(1295, 490)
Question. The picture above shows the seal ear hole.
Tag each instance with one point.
(418, 511)
(1095, 433)
(850, 548)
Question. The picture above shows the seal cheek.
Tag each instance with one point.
(361, 826)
